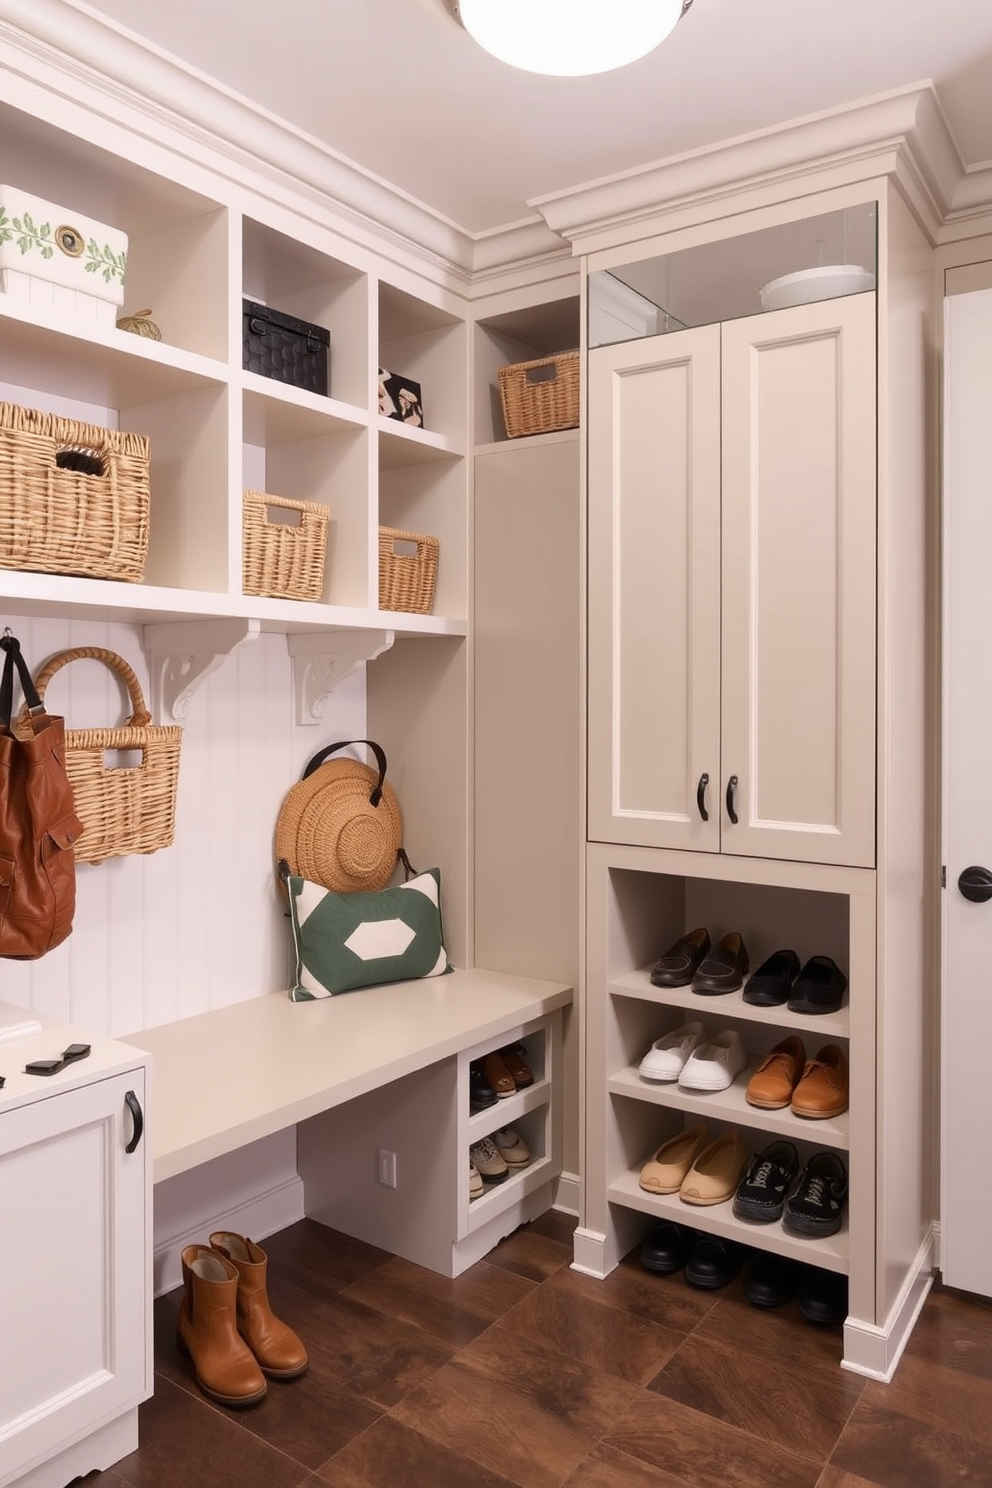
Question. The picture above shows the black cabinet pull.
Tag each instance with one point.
(704, 781)
(731, 788)
(976, 884)
(134, 1106)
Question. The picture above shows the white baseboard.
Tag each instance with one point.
(876, 1351)
(259, 1216)
(589, 1255)
(567, 1194)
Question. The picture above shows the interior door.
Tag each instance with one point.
(654, 591)
(966, 1124)
(799, 481)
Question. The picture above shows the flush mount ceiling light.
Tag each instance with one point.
(569, 38)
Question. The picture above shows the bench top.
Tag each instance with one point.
(227, 1077)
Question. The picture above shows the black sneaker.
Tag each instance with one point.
(481, 1094)
(823, 1296)
(761, 1192)
(817, 1206)
(771, 1280)
(666, 1247)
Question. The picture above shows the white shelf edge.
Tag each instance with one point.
(152, 604)
(423, 438)
(122, 343)
(718, 1219)
(730, 1108)
(511, 1108)
(528, 441)
(500, 1196)
(731, 1005)
(284, 392)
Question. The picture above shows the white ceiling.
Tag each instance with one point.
(399, 88)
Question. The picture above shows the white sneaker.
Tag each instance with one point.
(666, 1056)
(713, 1065)
(486, 1157)
(514, 1152)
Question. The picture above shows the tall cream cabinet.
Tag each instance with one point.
(732, 586)
(760, 589)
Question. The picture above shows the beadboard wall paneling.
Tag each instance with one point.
(199, 924)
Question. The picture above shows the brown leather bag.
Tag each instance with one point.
(38, 823)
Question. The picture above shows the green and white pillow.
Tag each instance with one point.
(344, 941)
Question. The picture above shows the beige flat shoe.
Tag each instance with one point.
(716, 1172)
(666, 1171)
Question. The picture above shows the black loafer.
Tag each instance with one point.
(714, 1263)
(771, 1280)
(817, 1206)
(677, 967)
(481, 1094)
(819, 988)
(666, 1247)
(723, 969)
(761, 1192)
(823, 1296)
(771, 984)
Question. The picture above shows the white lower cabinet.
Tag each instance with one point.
(75, 1270)
(640, 902)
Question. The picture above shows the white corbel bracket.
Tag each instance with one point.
(182, 655)
(321, 661)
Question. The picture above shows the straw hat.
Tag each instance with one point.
(340, 826)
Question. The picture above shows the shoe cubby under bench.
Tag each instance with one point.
(383, 1071)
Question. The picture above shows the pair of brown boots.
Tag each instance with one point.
(226, 1325)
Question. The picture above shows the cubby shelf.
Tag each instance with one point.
(729, 1108)
(732, 1005)
(718, 1219)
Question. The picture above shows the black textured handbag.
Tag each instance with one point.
(278, 345)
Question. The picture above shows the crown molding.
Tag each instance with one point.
(86, 59)
(903, 132)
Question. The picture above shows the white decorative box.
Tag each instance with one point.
(55, 258)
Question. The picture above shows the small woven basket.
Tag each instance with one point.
(67, 521)
(281, 559)
(127, 810)
(540, 396)
(407, 579)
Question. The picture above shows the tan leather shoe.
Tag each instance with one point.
(277, 1348)
(777, 1076)
(666, 1170)
(497, 1075)
(207, 1330)
(716, 1172)
(824, 1089)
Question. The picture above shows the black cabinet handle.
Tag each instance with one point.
(704, 781)
(731, 788)
(134, 1106)
(976, 884)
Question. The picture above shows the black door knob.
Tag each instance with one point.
(976, 884)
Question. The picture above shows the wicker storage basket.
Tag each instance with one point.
(541, 396)
(406, 580)
(57, 520)
(125, 810)
(283, 560)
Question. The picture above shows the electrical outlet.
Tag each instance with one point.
(387, 1169)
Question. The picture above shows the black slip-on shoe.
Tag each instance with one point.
(666, 1247)
(819, 987)
(677, 967)
(823, 1296)
(771, 1280)
(761, 1192)
(723, 968)
(771, 984)
(817, 1205)
(714, 1263)
(480, 1093)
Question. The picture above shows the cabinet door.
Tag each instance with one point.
(798, 718)
(75, 1274)
(654, 590)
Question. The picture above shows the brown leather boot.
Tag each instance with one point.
(278, 1350)
(207, 1330)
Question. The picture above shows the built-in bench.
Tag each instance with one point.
(380, 1070)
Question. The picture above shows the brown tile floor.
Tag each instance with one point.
(524, 1372)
